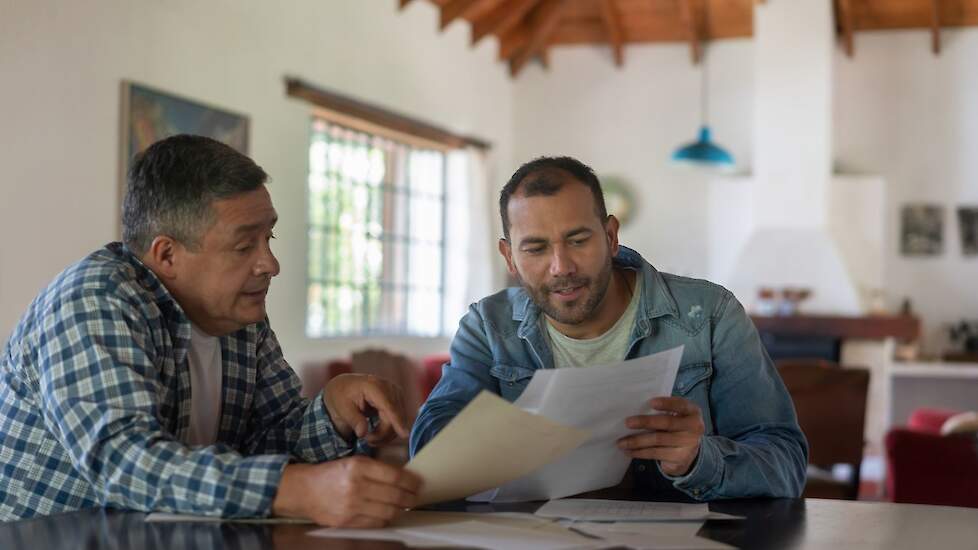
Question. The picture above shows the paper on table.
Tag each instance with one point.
(160, 517)
(488, 444)
(479, 534)
(586, 509)
(438, 529)
(658, 536)
(597, 399)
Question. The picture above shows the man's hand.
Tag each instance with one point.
(672, 438)
(349, 492)
(351, 398)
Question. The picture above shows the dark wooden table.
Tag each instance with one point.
(775, 524)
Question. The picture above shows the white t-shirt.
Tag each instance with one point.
(608, 348)
(204, 357)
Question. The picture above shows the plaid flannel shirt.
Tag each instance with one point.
(95, 397)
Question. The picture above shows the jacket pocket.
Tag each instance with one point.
(512, 380)
(693, 383)
(689, 376)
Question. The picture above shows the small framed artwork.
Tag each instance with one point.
(149, 115)
(922, 230)
(968, 225)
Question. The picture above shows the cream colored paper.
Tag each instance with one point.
(597, 399)
(489, 443)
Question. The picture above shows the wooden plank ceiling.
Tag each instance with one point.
(528, 29)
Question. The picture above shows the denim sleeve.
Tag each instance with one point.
(99, 394)
(466, 374)
(283, 422)
(758, 448)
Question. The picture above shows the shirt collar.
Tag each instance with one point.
(176, 318)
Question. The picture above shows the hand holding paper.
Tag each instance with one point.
(672, 438)
(488, 444)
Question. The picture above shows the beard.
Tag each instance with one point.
(577, 311)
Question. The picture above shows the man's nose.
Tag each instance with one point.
(561, 263)
(267, 264)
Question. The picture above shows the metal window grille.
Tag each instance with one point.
(376, 240)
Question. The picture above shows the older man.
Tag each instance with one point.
(147, 377)
(730, 428)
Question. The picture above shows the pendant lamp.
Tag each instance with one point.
(703, 152)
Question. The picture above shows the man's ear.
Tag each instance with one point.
(161, 256)
(611, 231)
(506, 250)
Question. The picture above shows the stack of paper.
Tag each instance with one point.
(518, 531)
(489, 443)
(596, 399)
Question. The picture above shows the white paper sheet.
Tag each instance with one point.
(160, 517)
(648, 536)
(474, 530)
(512, 531)
(597, 399)
(489, 443)
(587, 509)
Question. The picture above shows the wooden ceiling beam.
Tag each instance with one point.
(506, 16)
(935, 26)
(613, 25)
(690, 17)
(843, 12)
(543, 23)
(455, 9)
(512, 42)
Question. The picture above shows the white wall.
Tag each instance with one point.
(61, 63)
(899, 112)
(912, 117)
(627, 122)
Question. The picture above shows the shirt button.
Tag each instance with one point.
(510, 384)
(641, 467)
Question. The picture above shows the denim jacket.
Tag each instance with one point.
(752, 445)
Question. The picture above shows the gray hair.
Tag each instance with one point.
(172, 184)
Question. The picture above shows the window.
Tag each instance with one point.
(376, 241)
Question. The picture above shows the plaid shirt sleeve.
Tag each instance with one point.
(99, 393)
(281, 420)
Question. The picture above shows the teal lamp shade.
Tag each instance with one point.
(704, 152)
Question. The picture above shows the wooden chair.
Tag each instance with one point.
(831, 405)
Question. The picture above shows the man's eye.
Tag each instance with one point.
(578, 242)
(532, 250)
(243, 249)
(271, 236)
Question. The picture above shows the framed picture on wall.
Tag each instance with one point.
(149, 115)
(922, 230)
(968, 225)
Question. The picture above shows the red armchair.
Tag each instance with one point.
(431, 371)
(925, 467)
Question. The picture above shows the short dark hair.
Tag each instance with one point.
(171, 186)
(546, 176)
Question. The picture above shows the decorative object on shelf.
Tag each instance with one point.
(767, 302)
(703, 152)
(922, 230)
(968, 226)
(149, 115)
(964, 334)
(783, 302)
(791, 299)
(618, 198)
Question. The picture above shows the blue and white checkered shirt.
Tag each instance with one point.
(95, 398)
